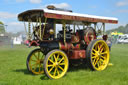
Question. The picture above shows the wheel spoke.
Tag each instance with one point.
(39, 67)
(101, 45)
(55, 58)
(62, 64)
(103, 57)
(96, 60)
(61, 60)
(101, 49)
(35, 67)
(50, 65)
(98, 64)
(101, 61)
(33, 64)
(94, 56)
(38, 55)
(94, 50)
(93, 61)
(98, 47)
(35, 56)
(55, 71)
(61, 68)
(104, 52)
(93, 53)
(33, 60)
(51, 68)
(50, 60)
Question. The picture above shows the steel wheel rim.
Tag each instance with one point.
(100, 55)
(36, 62)
(57, 65)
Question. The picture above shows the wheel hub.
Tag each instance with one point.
(56, 64)
(38, 61)
(99, 54)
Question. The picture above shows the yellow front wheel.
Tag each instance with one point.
(35, 62)
(97, 54)
(56, 64)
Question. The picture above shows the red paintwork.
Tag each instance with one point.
(77, 18)
(77, 54)
(73, 52)
(69, 46)
(34, 43)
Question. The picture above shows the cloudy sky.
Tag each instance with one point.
(9, 9)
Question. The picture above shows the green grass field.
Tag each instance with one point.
(13, 70)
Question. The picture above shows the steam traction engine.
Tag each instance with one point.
(77, 39)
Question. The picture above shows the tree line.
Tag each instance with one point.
(2, 28)
(123, 29)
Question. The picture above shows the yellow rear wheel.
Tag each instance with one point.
(35, 62)
(56, 64)
(98, 55)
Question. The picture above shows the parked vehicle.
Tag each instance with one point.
(56, 52)
(123, 40)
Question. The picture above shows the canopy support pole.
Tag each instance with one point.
(55, 29)
(26, 30)
(64, 30)
(103, 28)
(40, 28)
(95, 26)
(29, 30)
(74, 28)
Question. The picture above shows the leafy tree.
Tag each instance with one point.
(123, 29)
(2, 29)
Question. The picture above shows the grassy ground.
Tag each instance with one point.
(13, 70)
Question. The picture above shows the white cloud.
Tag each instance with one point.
(20, 0)
(62, 5)
(7, 15)
(122, 3)
(36, 1)
(122, 11)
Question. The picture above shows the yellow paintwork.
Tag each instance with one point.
(57, 65)
(100, 55)
(110, 64)
(36, 62)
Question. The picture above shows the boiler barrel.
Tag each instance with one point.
(49, 45)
